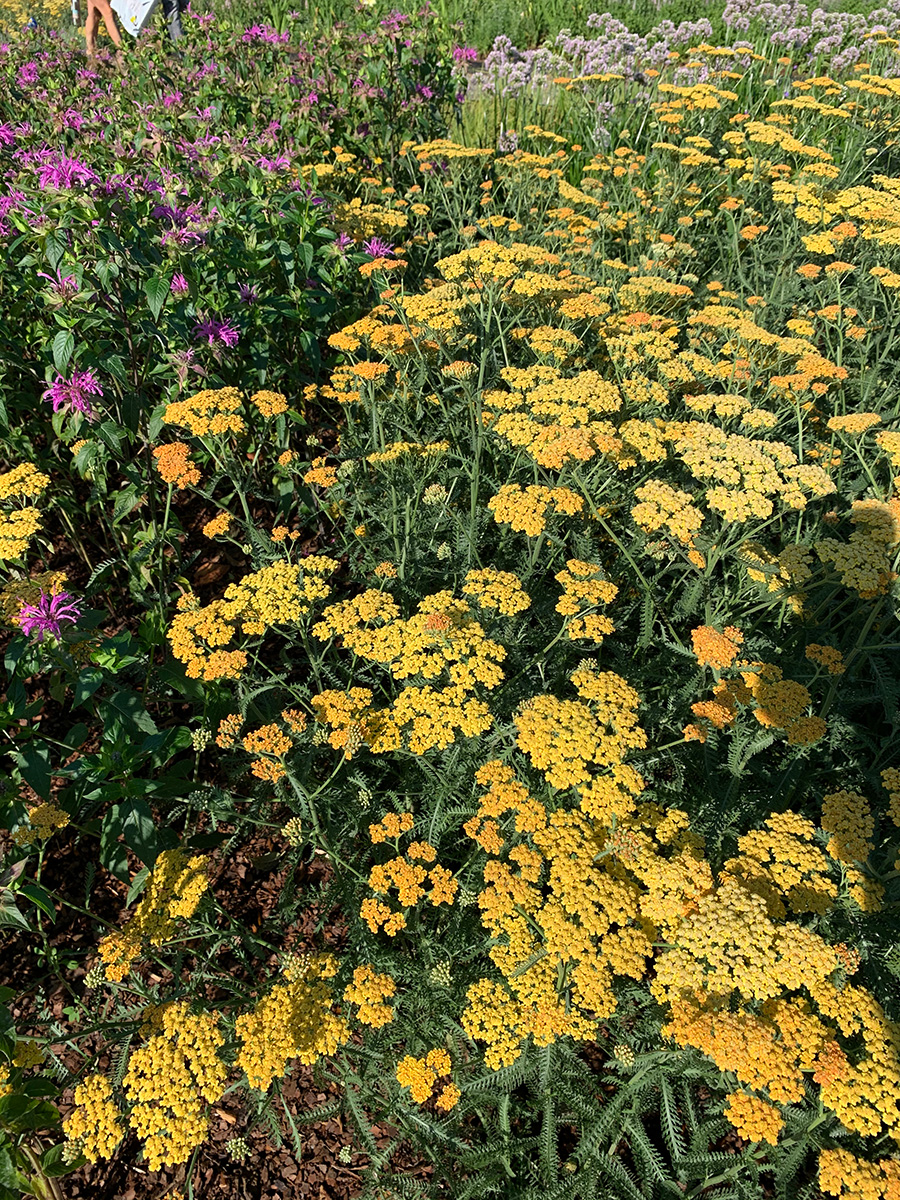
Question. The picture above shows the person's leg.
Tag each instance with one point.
(91, 25)
(109, 20)
(172, 12)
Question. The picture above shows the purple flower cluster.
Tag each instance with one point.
(48, 615)
(836, 37)
(74, 394)
(265, 33)
(217, 332)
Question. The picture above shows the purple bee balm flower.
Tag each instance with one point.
(28, 74)
(74, 393)
(48, 615)
(58, 171)
(465, 54)
(377, 247)
(62, 286)
(214, 330)
(179, 286)
(248, 293)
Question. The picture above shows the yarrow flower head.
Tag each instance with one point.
(74, 393)
(48, 614)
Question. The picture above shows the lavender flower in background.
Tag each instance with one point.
(48, 615)
(377, 247)
(508, 142)
(74, 394)
(179, 286)
(216, 331)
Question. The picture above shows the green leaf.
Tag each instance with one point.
(34, 763)
(86, 684)
(20, 1113)
(63, 349)
(40, 898)
(54, 248)
(137, 886)
(156, 290)
(9, 1176)
(140, 830)
(54, 1165)
(130, 707)
(125, 501)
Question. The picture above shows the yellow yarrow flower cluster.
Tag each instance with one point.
(754, 1119)
(525, 509)
(407, 876)
(421, 1074)
(173, 892)
(172, 1080)
(17, 529)
(215, 412)
(582, 591)
(23, 482)
(293, 1020)
(844, 1175)
(564, 737)
(864, 562)
(500, 590)
(663, 507)
(280, 594)
(442, 638)
(784, 865)
(95, 1124)
(369, 991)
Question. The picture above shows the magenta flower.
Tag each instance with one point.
(179, 286)
(377, 247)
(465, 54)
(62, 286)
(48, 615)
(28, 74)
(214, 330)
(74, 393)
(55, 170)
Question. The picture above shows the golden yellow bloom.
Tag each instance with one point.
(218, 525)
(754, 1119)
(16, 531)
(173, 461)
(270, 404)
(369, 990)
(714, 649)
(23, 481)
(215, 412)
(95, 1123)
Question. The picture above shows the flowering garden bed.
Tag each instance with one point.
(449, 549)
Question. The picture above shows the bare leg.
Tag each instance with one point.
(109, 21)
(91, 25)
